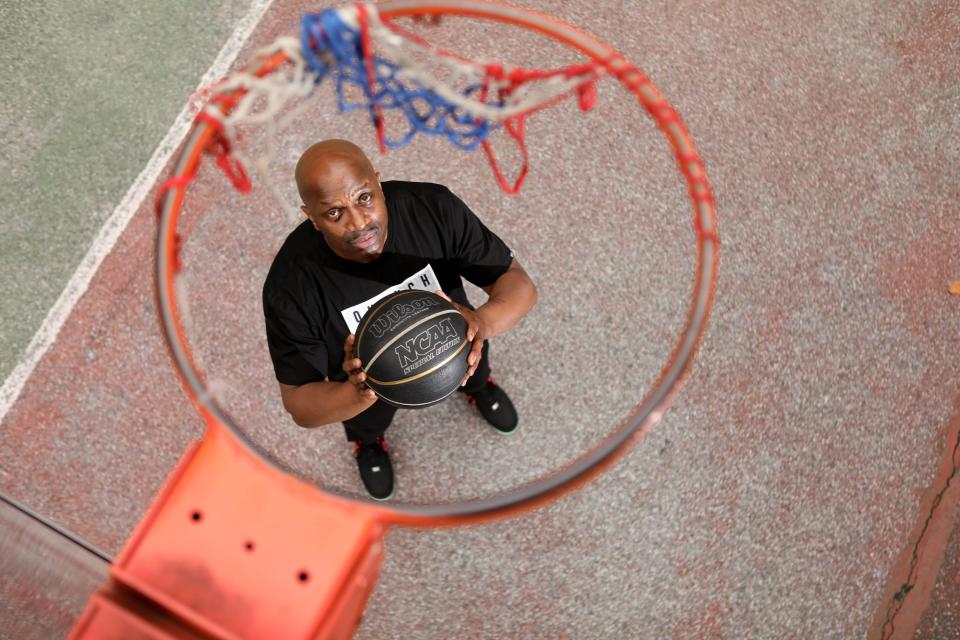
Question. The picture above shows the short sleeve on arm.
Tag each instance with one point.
(298, 355)
(480, 255)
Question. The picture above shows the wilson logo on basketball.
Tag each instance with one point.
(397, 314)
(427, 345)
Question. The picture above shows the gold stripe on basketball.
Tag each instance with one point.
(423, 373)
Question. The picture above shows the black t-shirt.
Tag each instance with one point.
(313, 298)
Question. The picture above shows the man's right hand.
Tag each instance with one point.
(315, 404)
(355, 375)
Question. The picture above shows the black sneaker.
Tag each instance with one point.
(495, 407)
(375, 468)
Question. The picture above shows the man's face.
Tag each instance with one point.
(346, 205)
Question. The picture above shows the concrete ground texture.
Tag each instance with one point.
(803, 483)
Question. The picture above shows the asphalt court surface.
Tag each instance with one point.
(781, 496)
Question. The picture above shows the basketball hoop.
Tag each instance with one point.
(359, 49)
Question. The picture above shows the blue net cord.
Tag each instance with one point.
(325, 35)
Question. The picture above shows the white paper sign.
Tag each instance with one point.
(424, 280)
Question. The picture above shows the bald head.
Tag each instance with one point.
(320, 159)
(343, 199)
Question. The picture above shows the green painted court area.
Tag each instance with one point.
(90, 90)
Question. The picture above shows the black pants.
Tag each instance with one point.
(367, 426)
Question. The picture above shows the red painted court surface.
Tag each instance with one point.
(803, 484)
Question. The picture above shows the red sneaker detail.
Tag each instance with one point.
(380, 441)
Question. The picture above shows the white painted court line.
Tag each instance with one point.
(107, 237)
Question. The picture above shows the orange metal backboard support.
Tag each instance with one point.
(234, 548)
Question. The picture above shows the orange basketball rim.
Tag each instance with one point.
(235, 545)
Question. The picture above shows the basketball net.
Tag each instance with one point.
(385, 69)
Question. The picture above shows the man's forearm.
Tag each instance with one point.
(510, 298)
(320, 403)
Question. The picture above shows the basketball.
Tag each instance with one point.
(413, 347)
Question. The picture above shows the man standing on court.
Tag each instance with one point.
(362, 238)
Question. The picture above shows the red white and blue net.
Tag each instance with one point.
(377, 67)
